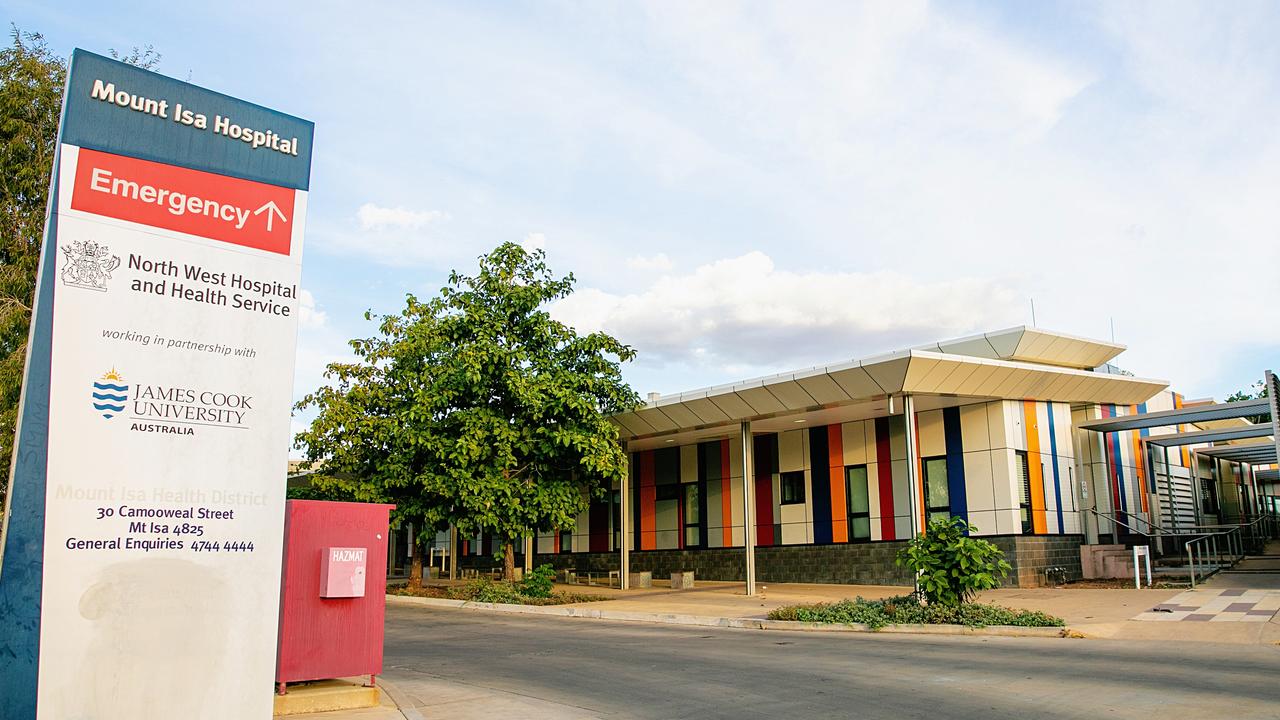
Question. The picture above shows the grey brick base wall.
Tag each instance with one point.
(844, 564)
(858, 564)
(1031, 555)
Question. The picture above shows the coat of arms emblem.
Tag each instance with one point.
(89, 265)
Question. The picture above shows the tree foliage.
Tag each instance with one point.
(476, 408)
(1257, 391)
(953, 567)
(31, 83)
(32, 79)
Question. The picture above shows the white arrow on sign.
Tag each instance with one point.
(275, 210)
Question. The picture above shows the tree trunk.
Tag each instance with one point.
(415, 567)
(509, 561)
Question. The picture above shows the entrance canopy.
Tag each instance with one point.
(1022, 363)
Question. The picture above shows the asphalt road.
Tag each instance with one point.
(463, 664)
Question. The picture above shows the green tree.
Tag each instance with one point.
(31, 82)
(476, 408)
(32, 78)
(951, 566)
(1256, 391)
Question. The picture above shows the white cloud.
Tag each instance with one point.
(743, 312)
(650, 263)
(534, 241)
(309, 316)
(1104, 156)
(394, 236)
(374, 217)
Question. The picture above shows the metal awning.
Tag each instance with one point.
(1268, 476)
(1198, 437)
(1256, 453)
(1181, 416)
(858, 388)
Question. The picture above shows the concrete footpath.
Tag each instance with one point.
(1091, 612)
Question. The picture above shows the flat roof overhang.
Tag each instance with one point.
(860, 389)
(1182, 416)
(1034, 345)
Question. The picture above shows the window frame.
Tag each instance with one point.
(667, 491)
(1024, 493)
(929, 510)
(850, 515)
(787, 480)
(698, 492)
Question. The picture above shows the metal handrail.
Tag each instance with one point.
(1262, 527)
(1097, 513)
(1232, 544)
(1255, 532)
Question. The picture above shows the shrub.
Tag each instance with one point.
(485, 590)
(953, 567)
(907, 610)
(538, 582)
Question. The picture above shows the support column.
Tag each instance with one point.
(1196, 490)
(749, 506)
(453, 553)
(528, 554)
(1272, 386)
(624, 525)
(1257, 498)
(1168, 480)
(1088, 495)
(1111, 491)
(913, 465)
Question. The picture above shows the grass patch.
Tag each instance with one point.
(488, 591)
(906, 610)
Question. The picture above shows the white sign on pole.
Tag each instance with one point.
(174, 252)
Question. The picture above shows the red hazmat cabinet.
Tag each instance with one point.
(333, 597)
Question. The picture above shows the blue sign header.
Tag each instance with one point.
(118, 108)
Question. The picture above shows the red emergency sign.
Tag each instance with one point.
(241, 212)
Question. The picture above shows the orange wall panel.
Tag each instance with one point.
(1031, 423)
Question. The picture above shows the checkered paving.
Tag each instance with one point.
(1230, 605)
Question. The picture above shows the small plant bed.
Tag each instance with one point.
(1168, 582)
(951, 568)
(907, 610)
(535, 589)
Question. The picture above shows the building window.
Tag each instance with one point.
(566, 540)
(615, 500)
(1208, 497)
(666, 492)
(792, 488)
(692, 515)
(855, 478)
(937, 494)
(1024, 489)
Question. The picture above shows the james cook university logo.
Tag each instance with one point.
(110, 394)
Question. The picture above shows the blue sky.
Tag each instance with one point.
(744, 189)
